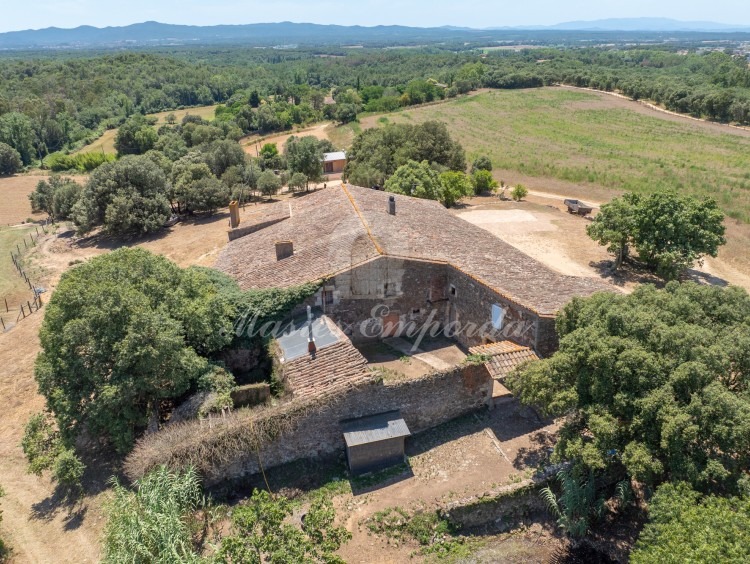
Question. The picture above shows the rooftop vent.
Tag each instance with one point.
(392, 205)
(284, 249)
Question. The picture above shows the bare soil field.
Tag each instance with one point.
(252, 143)
(541, 227)
(14, 199)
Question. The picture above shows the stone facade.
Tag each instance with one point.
(386, 296)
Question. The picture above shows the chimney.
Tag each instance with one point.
(234, 214)
(392, 205)
(284, 249)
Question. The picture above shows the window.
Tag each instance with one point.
(452, 290)
(327, 297)
(498, 315)
(416, 311)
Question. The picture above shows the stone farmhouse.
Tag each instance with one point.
(390, 263)
(390, 268)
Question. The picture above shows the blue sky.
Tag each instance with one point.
(34, 14)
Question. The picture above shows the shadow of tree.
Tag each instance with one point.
(629, 273)
(538, 453)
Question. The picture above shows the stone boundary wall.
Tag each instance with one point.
(249, 440)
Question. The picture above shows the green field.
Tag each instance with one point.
(595, 140)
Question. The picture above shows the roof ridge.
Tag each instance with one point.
(362, 219)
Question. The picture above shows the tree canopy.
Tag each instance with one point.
(377, 153)
(685, 526)
(10, 159)
(670, 232)
(125, 197)
(122, 332)
(655, 381)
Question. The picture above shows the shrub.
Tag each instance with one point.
(481, 163)
(483, 182)
(519, 192)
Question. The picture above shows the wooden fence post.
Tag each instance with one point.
(6, 305)
(3, 322)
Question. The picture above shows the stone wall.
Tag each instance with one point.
(411, 293)
(228, 450)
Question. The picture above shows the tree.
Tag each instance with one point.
(578, 506)
(453, 187)
(171, 119)
(481, 163)
(305, 156)
(123, 332)
(126, 197)
(614, 226)
(220, 155)
(482, 181)
(655, 382)
(673, 231)
(17, 131)
(685, 526)
(297, 182)
(172, 145)
(415, 179)
(519, 192)
(56, 196)
(268, 183)
(261, 532)
(135, 136)
(10, 160)
(254, 99)
(157, 522)
(346, 113)
(669, 232)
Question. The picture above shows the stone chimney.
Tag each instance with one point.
(284, 249)
(234, 214)
(392, 205)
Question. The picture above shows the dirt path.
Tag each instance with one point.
(36, 529)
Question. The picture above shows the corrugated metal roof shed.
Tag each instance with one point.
(336, 156)
(374, 428)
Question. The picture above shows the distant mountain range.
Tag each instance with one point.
(287, 33)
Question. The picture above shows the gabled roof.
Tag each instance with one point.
(340, 227)
(504, 357)
(337, 367)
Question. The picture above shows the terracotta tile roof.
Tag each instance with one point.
(504, 357)
(336, 368)
(339, 227)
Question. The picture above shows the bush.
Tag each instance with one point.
(44, 450)
(10, 159)
(481, 163)
(82, 162)
(483, 182)
(519, 192)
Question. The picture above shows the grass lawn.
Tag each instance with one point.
(597, 141)
(106, 142)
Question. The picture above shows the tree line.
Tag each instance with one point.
(51, 104)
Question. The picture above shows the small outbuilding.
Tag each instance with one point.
(333, 163)
(375, 442)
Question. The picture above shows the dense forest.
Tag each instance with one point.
(61, 102)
